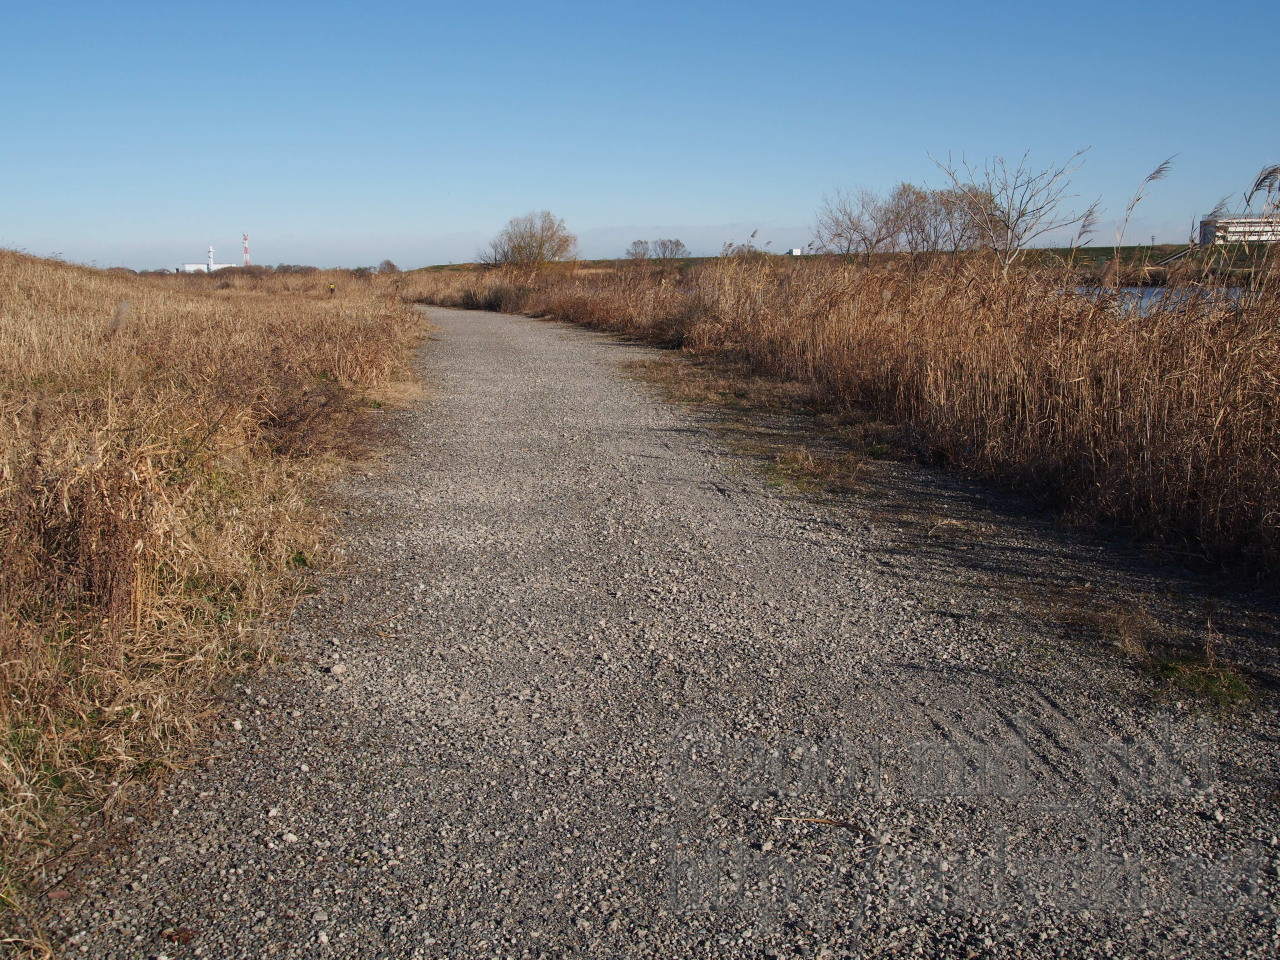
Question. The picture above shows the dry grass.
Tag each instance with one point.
(159, 442)
(1166, 420)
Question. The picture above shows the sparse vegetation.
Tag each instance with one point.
(1220, 683)
(159, 441)
(910, 220)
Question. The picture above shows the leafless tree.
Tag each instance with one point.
(910, 219)
(1009, 207)
(535, 238)
(668, 250)
(929, 221)
(833, 232)
(909, 209)
(386, 266)
(861, 222)
(959, 231)
(660, 253)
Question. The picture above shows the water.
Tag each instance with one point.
(1145, 299)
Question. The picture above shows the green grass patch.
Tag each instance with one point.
(1205, 679)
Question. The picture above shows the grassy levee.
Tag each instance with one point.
(160, 442)
(1166, 419)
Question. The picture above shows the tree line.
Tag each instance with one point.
(1000, 206)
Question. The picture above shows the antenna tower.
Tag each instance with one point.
(246, 250)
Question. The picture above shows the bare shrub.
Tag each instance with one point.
(909, 219)
(663, 254)
(930, 221)
(857, 222)
(667, 250)
(529, 240)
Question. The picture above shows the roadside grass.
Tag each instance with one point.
(1162, 418)
(783, 429)
(162, 440)
(1187, 663)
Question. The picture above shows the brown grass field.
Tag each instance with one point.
(1164, 420)
(160, 443)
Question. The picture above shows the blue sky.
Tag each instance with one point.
(343, 134)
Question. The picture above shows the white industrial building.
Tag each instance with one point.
(210, 266)
(1240, 230)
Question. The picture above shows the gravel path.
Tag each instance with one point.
(590, 686)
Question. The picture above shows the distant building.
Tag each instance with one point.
(1240, 230)
(208, 267)
(794, 252)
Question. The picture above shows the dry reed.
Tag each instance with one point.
(1163, 418)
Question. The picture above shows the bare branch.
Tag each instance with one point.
(1012, 206)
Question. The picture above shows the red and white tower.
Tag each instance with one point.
(246, 250)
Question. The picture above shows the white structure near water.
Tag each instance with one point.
(210, 266)
(1240, 230)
